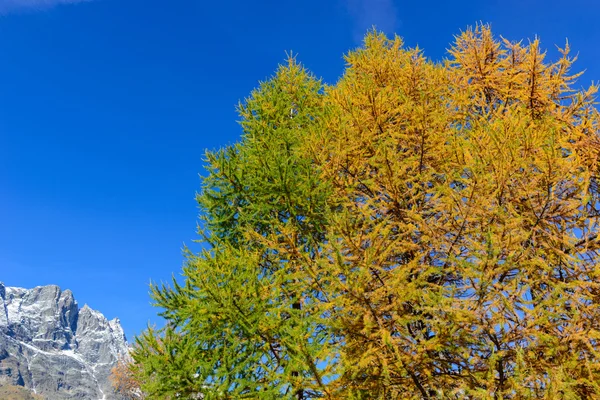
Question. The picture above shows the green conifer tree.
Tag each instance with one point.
(247, 322)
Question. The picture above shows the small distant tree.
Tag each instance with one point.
(419, 230)
(124, 381)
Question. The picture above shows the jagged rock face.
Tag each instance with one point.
(50, 345)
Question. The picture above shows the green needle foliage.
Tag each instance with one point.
(419, 230)
(248, 323)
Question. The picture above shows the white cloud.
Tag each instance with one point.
(381, 14)
(7, 6)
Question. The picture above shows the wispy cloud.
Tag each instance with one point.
(381, 14)
(8, 6)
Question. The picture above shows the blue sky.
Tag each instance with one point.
(107, 107)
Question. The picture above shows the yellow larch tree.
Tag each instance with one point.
(464, 241)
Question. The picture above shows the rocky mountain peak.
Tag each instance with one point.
(49, 344)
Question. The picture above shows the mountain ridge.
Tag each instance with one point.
(55, 348)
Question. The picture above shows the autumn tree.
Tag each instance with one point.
(124, 382)
(419, 230)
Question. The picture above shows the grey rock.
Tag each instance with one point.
(51, 346)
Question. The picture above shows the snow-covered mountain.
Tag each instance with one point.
(55, 348)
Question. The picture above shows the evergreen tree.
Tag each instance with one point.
(246, 324)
